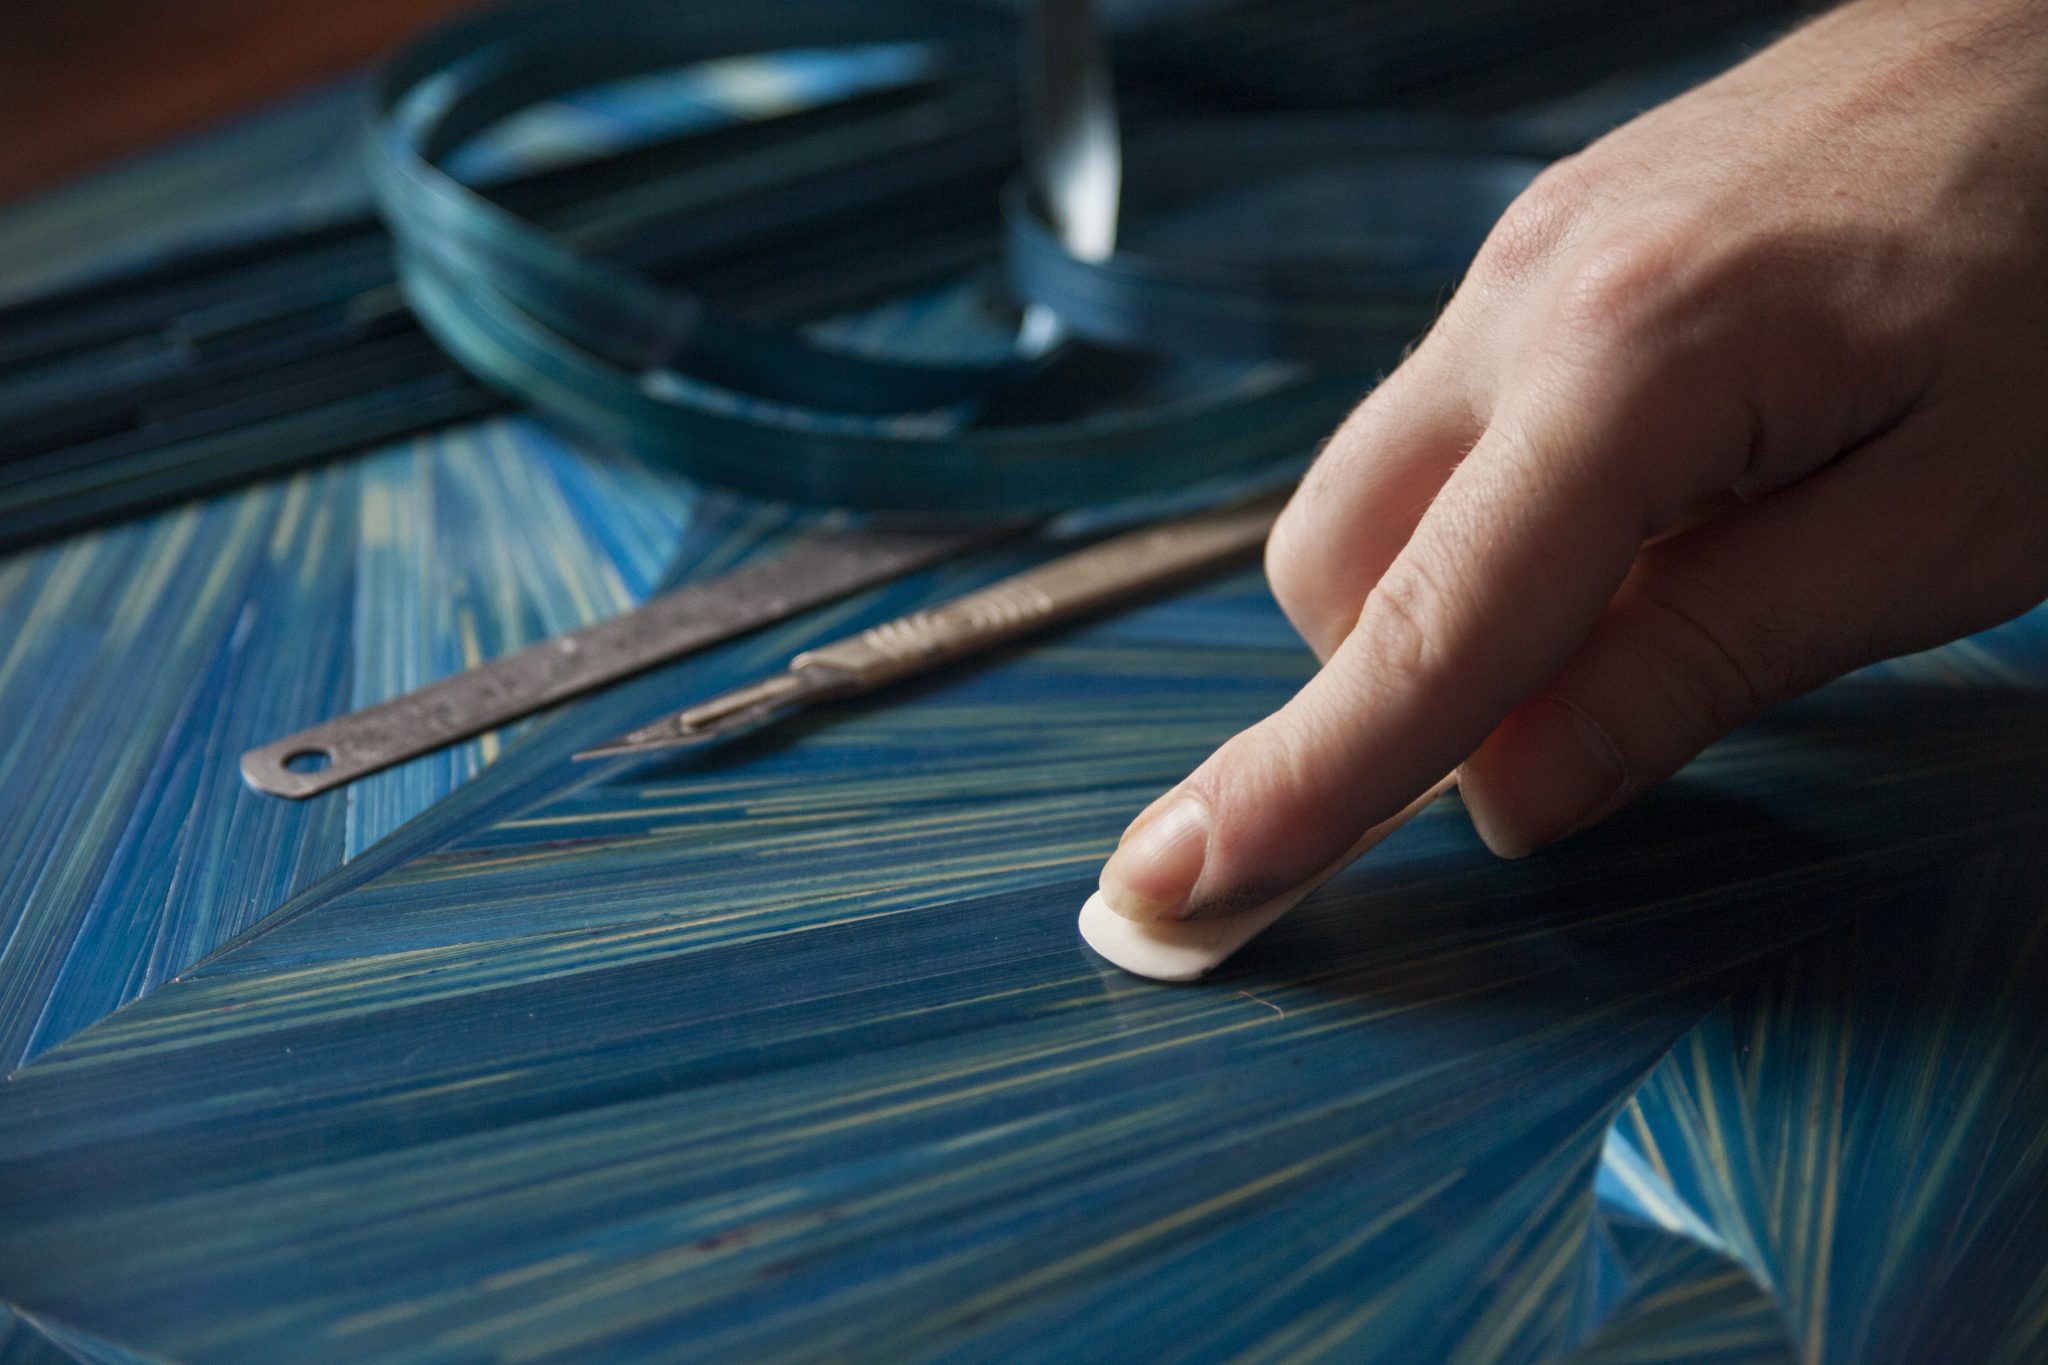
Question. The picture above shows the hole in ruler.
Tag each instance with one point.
(308, 760)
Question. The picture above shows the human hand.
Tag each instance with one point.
(1749, 393)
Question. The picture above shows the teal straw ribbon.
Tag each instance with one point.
(1260, 331)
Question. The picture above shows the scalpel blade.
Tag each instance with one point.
(815, 569)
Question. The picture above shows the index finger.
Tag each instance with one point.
(1504, 576)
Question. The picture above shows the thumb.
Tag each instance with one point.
(1713, 627)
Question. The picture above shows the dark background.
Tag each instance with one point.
(83, 82)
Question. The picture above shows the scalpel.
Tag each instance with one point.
(1074, 585)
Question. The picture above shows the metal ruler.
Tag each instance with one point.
(816, 569)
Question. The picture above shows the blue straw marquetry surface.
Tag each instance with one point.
(788, 1049)
(136, 663)
(791, 1051)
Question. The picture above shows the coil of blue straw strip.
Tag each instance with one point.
(1310, 246)
(235, 357)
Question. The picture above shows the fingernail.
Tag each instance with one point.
(1548, 773)
(1156, 866)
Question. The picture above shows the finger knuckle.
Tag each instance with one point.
(1270, 766)
(1530, 234)
(1403, 623)
(1623, 285)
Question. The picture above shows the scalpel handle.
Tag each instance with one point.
(1072, 586)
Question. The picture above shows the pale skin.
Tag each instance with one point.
(1750, 393)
